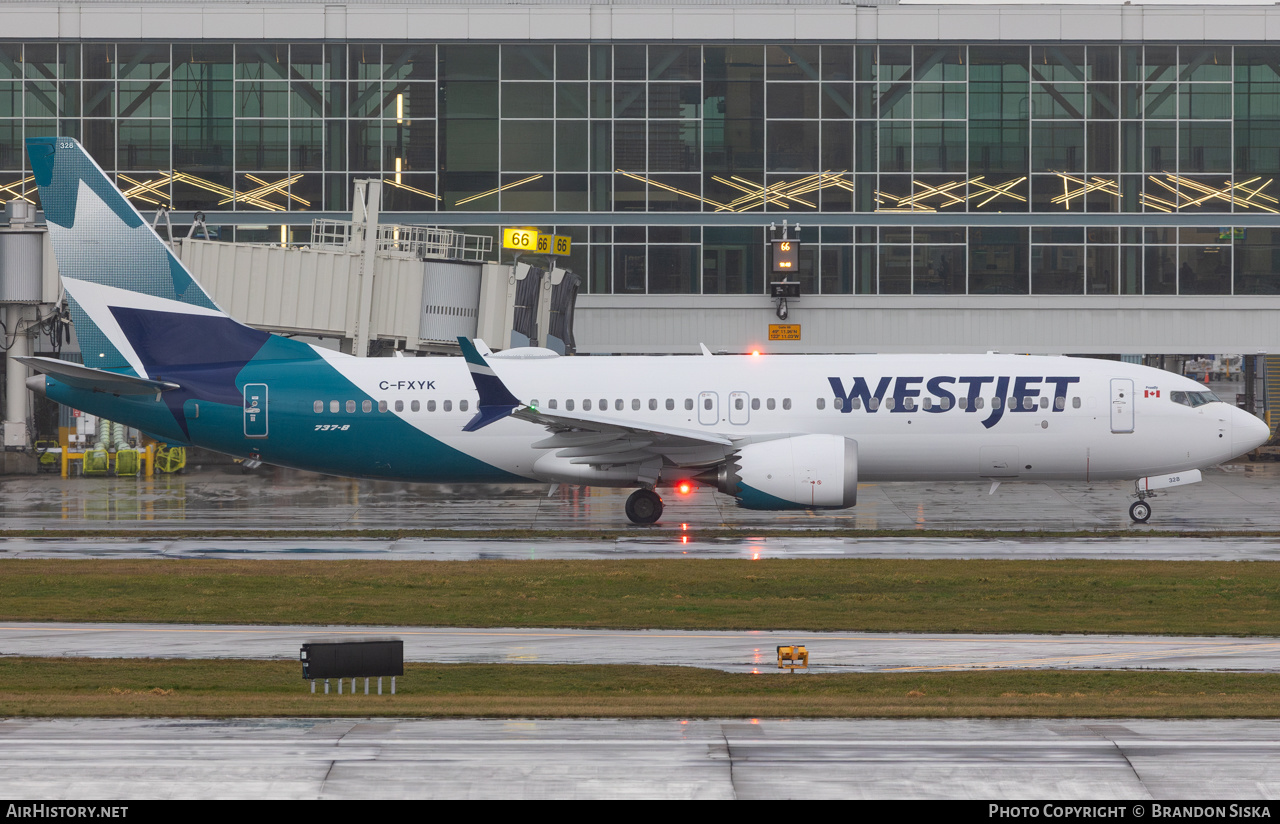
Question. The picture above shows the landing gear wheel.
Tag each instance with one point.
(1140, 512)
(644, 506)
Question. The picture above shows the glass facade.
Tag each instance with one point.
(915, 169)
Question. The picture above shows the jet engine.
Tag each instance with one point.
(802, 472)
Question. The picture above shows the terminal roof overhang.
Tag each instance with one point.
(623, 20)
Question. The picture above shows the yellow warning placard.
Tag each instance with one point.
(784, 331)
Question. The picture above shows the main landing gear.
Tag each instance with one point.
(644, 506)
(1140, 511)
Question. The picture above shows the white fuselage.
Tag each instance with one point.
(1040, 417)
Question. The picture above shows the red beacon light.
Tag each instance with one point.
(684, 487)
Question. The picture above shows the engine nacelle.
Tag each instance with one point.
(803, 472)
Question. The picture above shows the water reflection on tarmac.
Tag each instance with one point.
(1236, 497)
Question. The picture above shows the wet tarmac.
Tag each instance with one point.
(680, 546)
(744, 652)
(1240, 496)
(1080, 759)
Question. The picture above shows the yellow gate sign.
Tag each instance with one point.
(523, 240)
(553, 245)
(784, 331)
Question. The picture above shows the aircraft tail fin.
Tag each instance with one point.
(111, 260)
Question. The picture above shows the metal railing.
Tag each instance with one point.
(399, 240)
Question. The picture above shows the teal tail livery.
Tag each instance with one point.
(774, 432)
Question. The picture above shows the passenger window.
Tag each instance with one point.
(351, 406)
(366, 406)
(1028, 403)
(1044, 402)
(604, 405)
(551, 404)
(318, 406)
(618, 404)
(431, 406)
(926, 403)
(382, 406)
(568, 404)
(945, 403)
(688, 404)
(873, 404)
(635, 403)
(653, 404)
(838, 404)
(822, 403)
(889, 403)
(462, 406)
(333, 406)
(978, 403)
(995, 403)
(755, 403)
(909, 404)
(399, 406)
(769, 404)
(786, 403)
(706, 403)
(671, 404)
(415, 406)
(738, 404)
(857, 403)
(962, 403)
(1075, 403)
(586, 405)
(448, 406)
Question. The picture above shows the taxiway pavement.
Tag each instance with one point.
(678, 546)
(728, 651)
(1240, 496)
(519, 758)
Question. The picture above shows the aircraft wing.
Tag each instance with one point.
(595, 440)
(96, 380)
(604, 441)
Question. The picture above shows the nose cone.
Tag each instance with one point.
(1247, 431)
(36, 383)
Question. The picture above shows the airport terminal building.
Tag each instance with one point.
(1022, 177)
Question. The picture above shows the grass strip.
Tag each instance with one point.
(1167, 597)
(78, 687)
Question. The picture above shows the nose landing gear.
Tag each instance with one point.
(644, 506)
(1140, 511)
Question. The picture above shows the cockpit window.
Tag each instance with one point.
(1194, 399)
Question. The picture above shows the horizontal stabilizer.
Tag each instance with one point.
(96, 380)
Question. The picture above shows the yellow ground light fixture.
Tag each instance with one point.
(793, 658)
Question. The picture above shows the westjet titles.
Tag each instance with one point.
(907, 389)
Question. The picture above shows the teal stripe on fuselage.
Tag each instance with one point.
(377, 444)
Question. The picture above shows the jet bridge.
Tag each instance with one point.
(410, 288)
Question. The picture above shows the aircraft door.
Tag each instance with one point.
(1121, 405)
(739, 411)
(708, 408)
(255, 410)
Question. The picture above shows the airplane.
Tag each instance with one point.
(776, 432)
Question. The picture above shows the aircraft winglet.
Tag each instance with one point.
(496, 401)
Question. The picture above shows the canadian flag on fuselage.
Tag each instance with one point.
(1150, 392)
